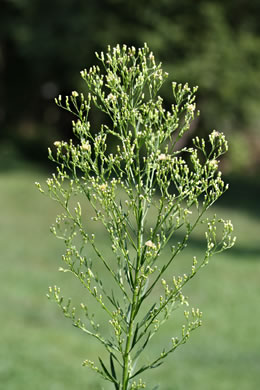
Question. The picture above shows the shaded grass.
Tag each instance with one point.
(40, 349)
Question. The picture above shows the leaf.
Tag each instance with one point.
(143, 368)
(135, 336)
(144, 289)
(147, 316)
(112, 367)
(129, 277)
(156, 365)
(128, 313)
(143, 346)
(109, 376)
(113, 300)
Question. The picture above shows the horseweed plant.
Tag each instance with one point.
(146, 193)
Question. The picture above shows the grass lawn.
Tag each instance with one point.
(41, 350)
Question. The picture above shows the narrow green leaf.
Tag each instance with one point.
(144, 289)
(113, 300)
(128, 313)
(129, 277)
(156, 365)
(143, 346)
(135, 336)
(147, 316)
(109, 376)
(115, 358)
(112, 367)
(142, 369)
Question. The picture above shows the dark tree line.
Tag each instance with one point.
(213, 44)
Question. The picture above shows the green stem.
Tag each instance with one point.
(136, 291)
(125, 377)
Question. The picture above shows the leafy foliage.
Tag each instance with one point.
(212, 44)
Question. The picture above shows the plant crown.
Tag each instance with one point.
(145, 192)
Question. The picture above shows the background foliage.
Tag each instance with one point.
(213, 44)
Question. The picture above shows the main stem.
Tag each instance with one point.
(125, 379)
(126, 357)
(136, 291)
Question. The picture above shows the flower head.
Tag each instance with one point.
(162, 156)
(150, 244)
(103, 187)
(86, 146)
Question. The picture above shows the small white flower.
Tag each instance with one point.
(57, 143)
(150, 244)
(186, 87)
(103, 187)
(213, 163)
(162, 156)
(75, 94)
(111, 97)
(215, 134)
(191, 107)
(86, 146)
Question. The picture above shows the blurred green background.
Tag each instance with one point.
(43, 47)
